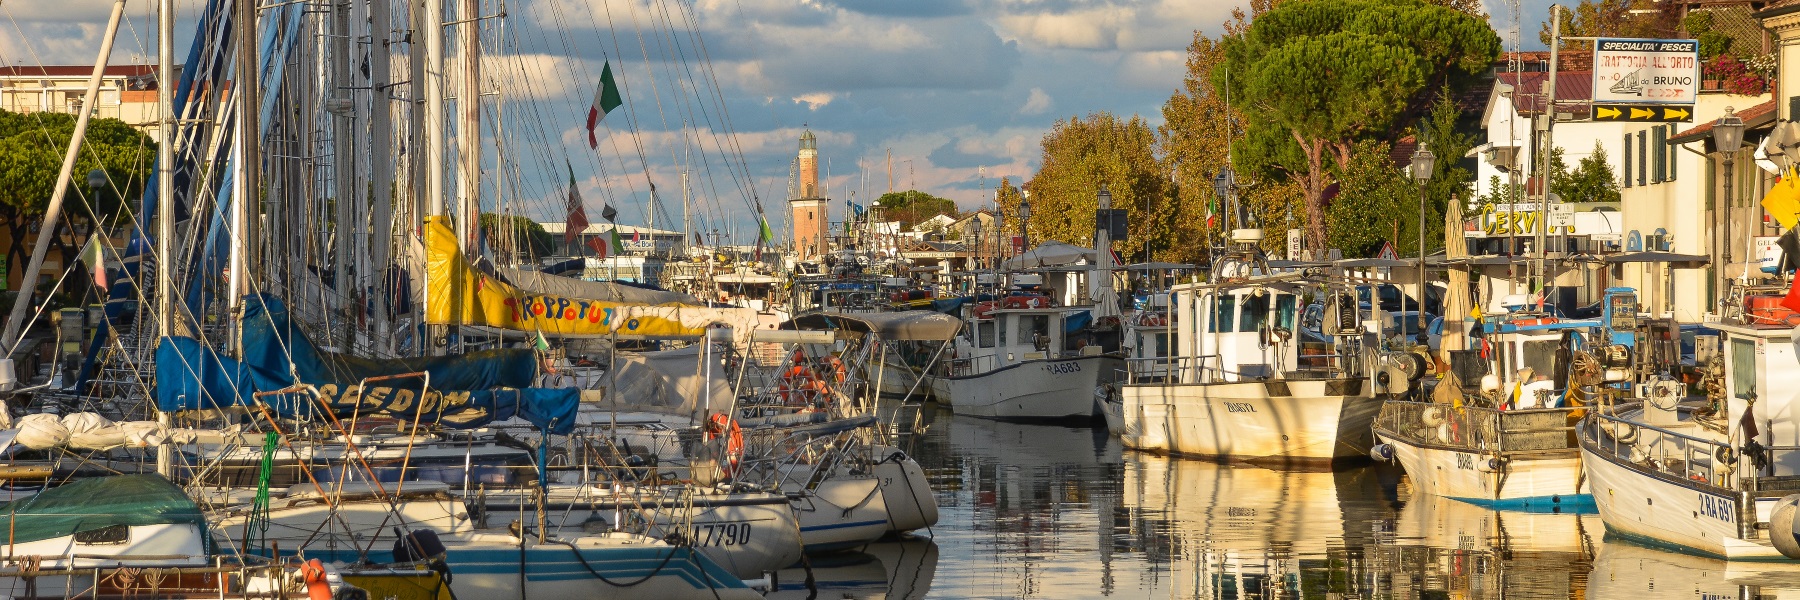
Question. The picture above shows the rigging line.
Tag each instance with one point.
(730, 132)
(600, 163)
(689, 104)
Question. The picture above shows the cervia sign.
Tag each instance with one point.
(1646, 71)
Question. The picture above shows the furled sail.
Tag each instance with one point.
(468, 390)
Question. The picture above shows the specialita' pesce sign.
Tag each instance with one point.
(1646, 71)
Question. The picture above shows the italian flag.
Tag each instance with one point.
(606, 98)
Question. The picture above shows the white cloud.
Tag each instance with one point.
(1038, 103)
(814, 101)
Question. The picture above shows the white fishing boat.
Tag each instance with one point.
(1714, 476)
(1238, 390)
(1011, 364)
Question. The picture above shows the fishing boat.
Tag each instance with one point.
(1239, 391)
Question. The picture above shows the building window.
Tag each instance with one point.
(1627, 159)
(1643, 160)
(1672, 150)
(1661, 146)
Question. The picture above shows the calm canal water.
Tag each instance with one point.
(1044, 511)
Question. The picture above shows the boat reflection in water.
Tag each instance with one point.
(1044, 511)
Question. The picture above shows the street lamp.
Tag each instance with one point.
(96, 180)
(975, 232)
(1728, 136)
(1423, 161)
(1025, 224)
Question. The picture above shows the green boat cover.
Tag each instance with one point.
(98, 503)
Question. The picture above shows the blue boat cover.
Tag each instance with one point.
(465, 391)
(1074, 322)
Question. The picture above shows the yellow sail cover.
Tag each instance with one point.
(459, 295)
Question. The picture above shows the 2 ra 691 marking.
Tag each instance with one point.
(1061, 368)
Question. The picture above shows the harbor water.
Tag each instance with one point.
(1049, 511)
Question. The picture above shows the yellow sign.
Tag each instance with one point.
(458, 295)
(1642, 113)
(1783, 201)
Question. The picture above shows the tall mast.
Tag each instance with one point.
(433, 31)
(247, 88)
(342, 168)
(468, 127)
(381, 172)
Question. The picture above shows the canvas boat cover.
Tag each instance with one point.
(540, 283)
(907, 325)
(668, 382)
(459, 391)
(1048, 254)
(98, 503)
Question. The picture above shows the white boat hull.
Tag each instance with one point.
(1285, 422)
(905, 490)
(1047, 389)
(1658, 509)
(1523, 482)
(841, 513)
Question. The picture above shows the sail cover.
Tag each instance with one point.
(461, 391)
(460, 295)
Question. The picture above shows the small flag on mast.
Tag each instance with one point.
(606, 98)
(577, 221)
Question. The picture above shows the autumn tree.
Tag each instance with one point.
(1081, 154)
(1313, 77)
(1615, 18)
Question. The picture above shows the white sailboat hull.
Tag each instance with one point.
(1046, 389)
(1290, 422)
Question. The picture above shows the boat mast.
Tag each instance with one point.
(381, 220)
(165, 189)
(343, 177)
(468, 127)
(432, 28)
(22, 302)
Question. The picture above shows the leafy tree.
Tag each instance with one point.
(1376, 201)
(1079, 155)
(1615, 18)
(911, 206)
(1450, 180)
(1592, 179)
(1315, 76)
(526, 238)
(31, 154)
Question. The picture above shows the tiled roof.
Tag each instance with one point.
(1753, 116)
(1527, 95)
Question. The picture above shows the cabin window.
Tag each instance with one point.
(1154, 344)
(984, 334)
(1285, 306)
(1540, 357)
(1032, 326)
(1254, 313)
(1223, 308)
(1743, 368)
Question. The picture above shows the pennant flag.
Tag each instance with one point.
(600, 247)
(606, 98)
(618, 247)
(763, 236)
(609, 213)
(95, 260)
(634, 235)
(1783, 201)
(577, 221)
(1792, 301)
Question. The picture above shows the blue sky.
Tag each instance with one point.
(959, 91)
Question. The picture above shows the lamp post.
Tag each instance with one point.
(1025, 224)
(1423, 161)
(975, 232)
(1728, 136)
(96, 180)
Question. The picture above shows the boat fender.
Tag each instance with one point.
(1725, 456)
(313, 573)
(1781, 526)
(1492, 464)
(418, 546)
(1432, 416)
(1443, 433)
(1382, 452)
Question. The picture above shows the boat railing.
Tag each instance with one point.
(1479, 429)
(1151, 369)
(1661, 450)
(963, 367)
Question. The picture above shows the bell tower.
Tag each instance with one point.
(808, 207)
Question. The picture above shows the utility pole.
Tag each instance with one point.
(1548, 119)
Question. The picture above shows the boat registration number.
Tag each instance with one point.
(722, 534)
(1060, 368)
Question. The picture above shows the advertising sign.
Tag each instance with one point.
(1637, 71)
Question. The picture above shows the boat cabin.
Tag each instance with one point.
(1236, 334)
(1761, 378)
(998, 336)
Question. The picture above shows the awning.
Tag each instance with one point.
(1050, 253)
(1158, 266)
(903, 325)
(1687, 260)
(1373, 263)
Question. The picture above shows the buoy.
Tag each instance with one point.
(1432, 416)
(734, 444)
(1443, 433)
(313, 573)
(1781, 526)
(1492, 464)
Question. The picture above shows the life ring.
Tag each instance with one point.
(985, 310)
(313, 573)
(1032, 301)
(1432, 416)
(795, 381)
(718, 425)
(1535, 321)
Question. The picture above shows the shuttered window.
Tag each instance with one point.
(1627, 159)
